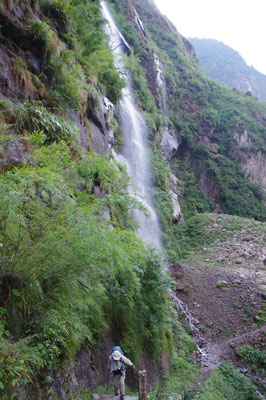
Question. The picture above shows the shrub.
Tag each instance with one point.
(253, 356)
(227, 383)
(43, 32)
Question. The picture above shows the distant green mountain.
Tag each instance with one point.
(226, 66)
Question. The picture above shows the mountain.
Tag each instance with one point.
(75, 279)
(226, 66)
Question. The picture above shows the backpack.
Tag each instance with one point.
(117, 348)
(123, 367)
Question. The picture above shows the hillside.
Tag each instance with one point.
(226, 66)
(212, 137)
(75, 278)
(221, 278)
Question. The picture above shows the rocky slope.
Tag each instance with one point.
(226, 66)
(222, 282)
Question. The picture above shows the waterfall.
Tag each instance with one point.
(135, 149)
(135, 155)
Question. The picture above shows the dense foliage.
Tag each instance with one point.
(66, 273)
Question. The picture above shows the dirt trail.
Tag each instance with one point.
(225, 316)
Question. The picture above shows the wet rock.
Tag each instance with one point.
(177, 213)
(169, 143)
(99, 110)
(100, 117)
(97, 140)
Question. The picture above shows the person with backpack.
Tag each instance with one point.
(117, 367)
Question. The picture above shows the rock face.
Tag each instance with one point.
(169, 143)
(252, 162)
(100, 117)
(175, 192)
(14, 152)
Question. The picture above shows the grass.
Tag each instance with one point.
(223, 287)
(253, 356)
(85, 394)
(228, 332)
(261, 313)
(226, 383)
(105, 389)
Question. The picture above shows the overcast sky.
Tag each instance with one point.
(241, 24)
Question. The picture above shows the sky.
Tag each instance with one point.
(241, 24)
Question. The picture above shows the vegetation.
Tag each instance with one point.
(69, 274)
(226, 66)
(183, 370)
(206, 231)
(65, 274)
(253, 356)
(227, 383)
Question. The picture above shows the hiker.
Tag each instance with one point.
(116, 366)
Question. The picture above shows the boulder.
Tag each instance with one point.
(14, 151)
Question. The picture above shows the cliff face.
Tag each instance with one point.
(203, 125)
(223, 64)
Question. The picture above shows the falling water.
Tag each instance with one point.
(136, 159)
(134, 149)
